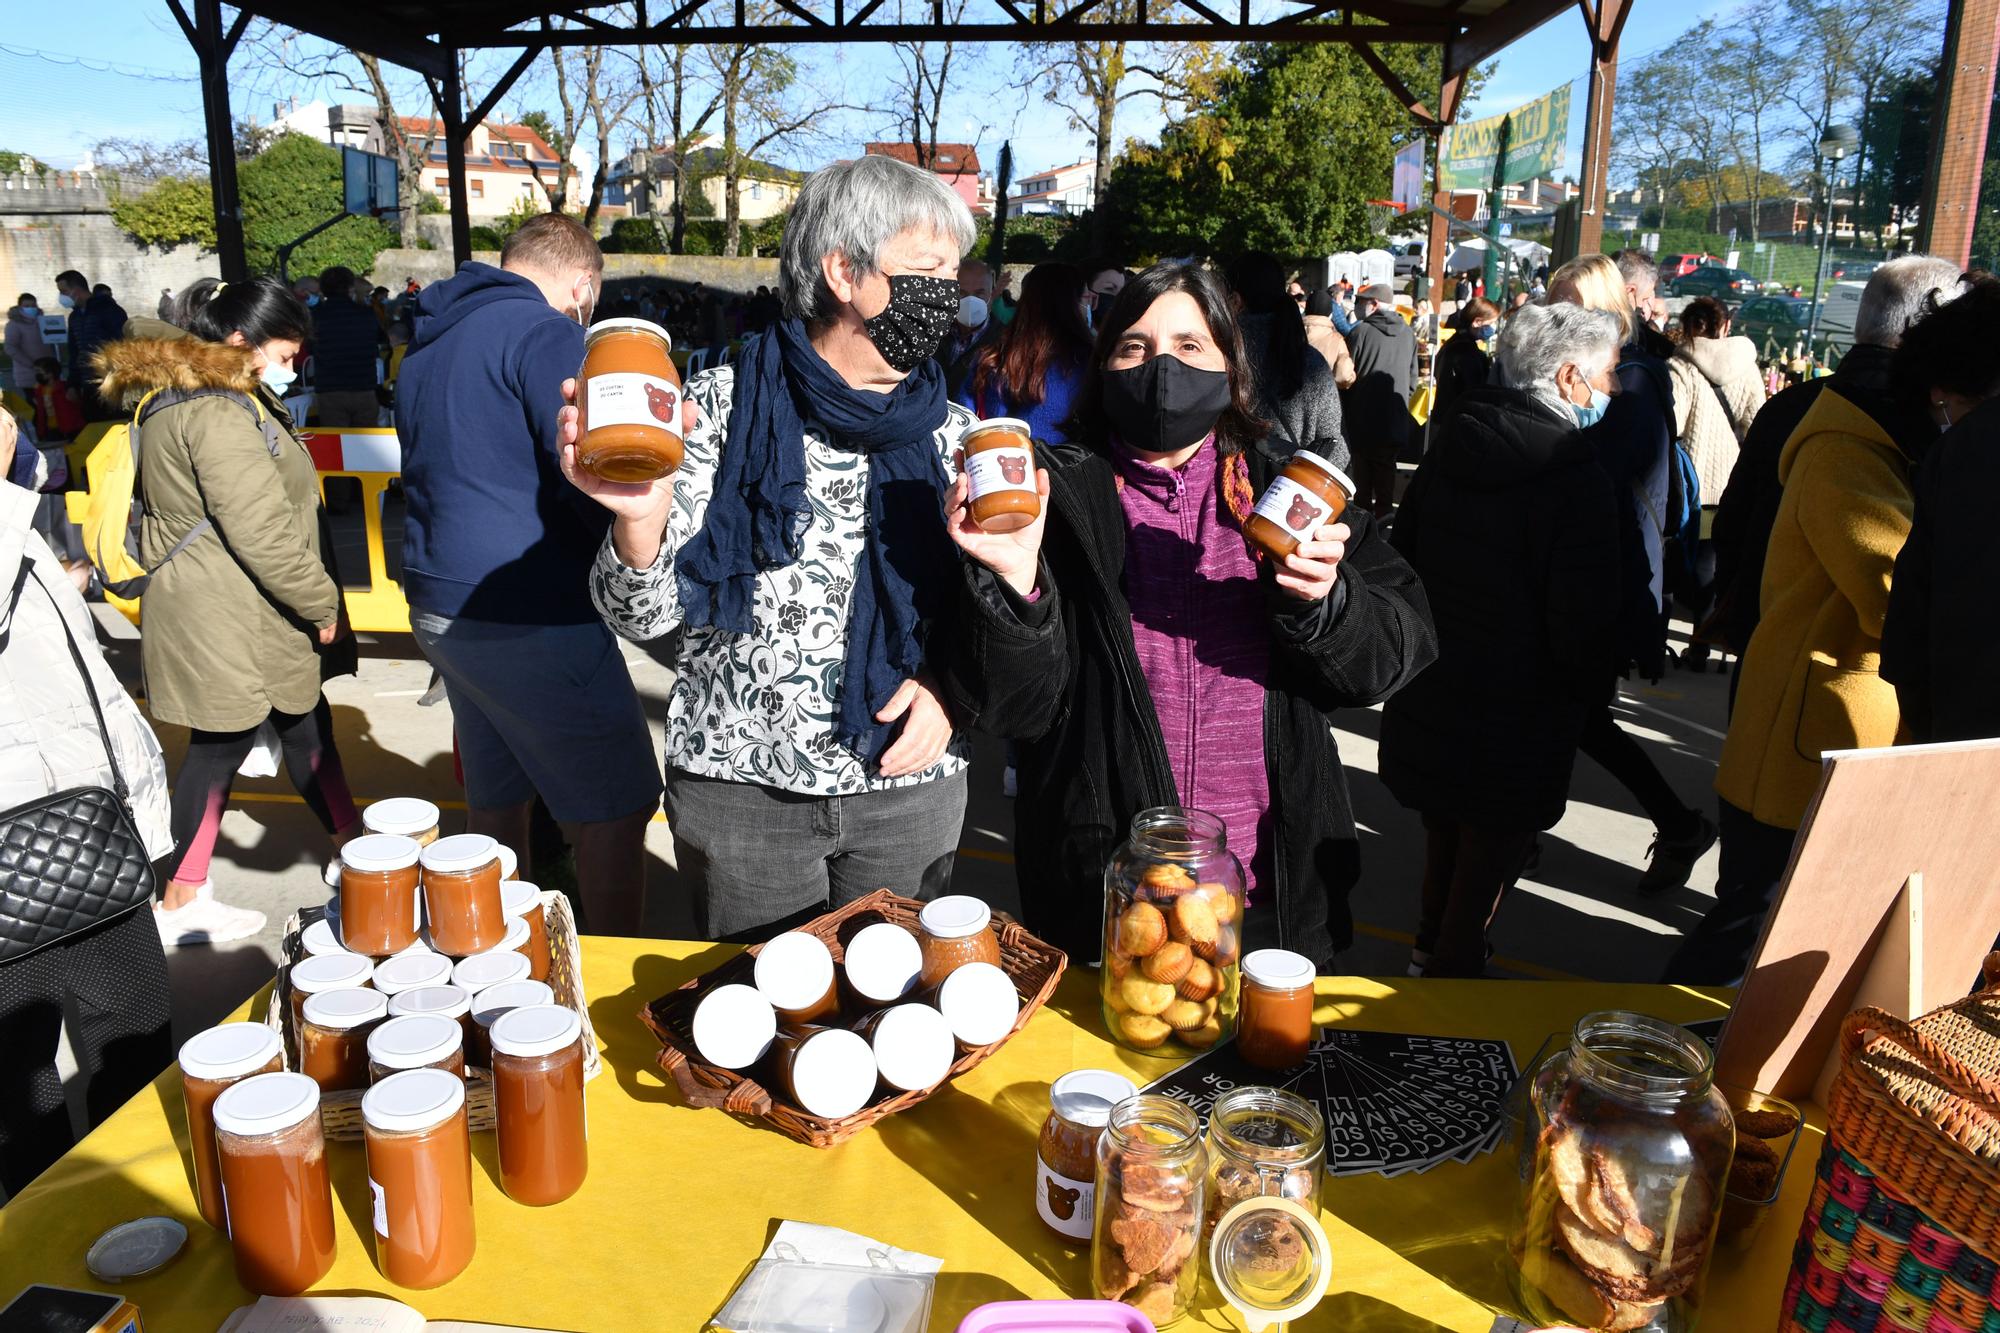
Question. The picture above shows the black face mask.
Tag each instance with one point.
(1164, 404)
(920, 312)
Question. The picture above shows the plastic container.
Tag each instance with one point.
(210, 1062)
(1276, 1027)
(628, 398)
(794, 971)
(333, 1039)
(1173, 909)
(462, 894)
(538, 1103)
(951, 932)
(1080, 1105)
(381, 910)
(419, 1176)
(790, 1295)
(1056, 1317)
(274, 1187)
(403, 816)
(416, 1041)
(522, 901)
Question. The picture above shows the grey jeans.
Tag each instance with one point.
(755, 856)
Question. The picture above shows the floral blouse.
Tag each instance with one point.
(760, 707)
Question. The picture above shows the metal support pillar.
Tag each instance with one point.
(1606, 21)
(1958, 141)
(449, 93)
(213, 44)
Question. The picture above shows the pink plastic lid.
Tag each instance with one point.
(1056, 1317)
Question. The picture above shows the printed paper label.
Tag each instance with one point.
(998, 470)
(623, 398)
(1293, 508)
(1065, 1204)
(381, 1209)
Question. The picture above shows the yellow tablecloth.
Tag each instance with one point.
(679, 1202)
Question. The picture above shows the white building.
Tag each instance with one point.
(1069, 189)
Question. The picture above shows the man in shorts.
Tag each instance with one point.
(497, 554)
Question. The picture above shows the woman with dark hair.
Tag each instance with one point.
(240, 601)
(1145, 655)
(1811, 674)
(1465, 361)
(1033, 370)
(1295, 389)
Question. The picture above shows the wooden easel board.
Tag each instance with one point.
(1880, 817)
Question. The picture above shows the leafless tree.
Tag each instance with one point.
(671, 93)
(917, 92)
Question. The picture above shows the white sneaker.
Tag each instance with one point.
(332, 872)
(204, 920)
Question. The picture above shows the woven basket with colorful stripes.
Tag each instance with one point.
(1903, 1229)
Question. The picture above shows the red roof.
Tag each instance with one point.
(533, 145)
(952, 159)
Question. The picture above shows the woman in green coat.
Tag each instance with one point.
(241, 601)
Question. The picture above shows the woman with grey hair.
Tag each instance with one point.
(1512, 526)
(802, 548)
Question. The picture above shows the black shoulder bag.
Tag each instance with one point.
(74, 859)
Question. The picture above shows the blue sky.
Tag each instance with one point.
(136, 80)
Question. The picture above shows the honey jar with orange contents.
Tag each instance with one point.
(1276, 1028)
(274, 1186)
(1000, 475)
(462, 894)
(211, 1062)
(522, 901)
(1307, 495)
(538, 1103)
(333, 1040)
(1080, 1105)
(628, 398)
(420, 1174)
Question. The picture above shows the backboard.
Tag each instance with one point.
(368, 182)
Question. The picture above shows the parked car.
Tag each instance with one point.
(1725, 284)
(1409, 258)
(1852, 270)
(1675, 266)
(1774, 323)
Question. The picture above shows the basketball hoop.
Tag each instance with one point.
(1382, 214)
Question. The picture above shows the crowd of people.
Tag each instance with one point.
(840, 626)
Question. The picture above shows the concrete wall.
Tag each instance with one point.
(744, 276)
(34, 248)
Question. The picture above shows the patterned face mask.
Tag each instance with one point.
(920, 312)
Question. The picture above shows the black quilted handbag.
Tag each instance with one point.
(74, 859)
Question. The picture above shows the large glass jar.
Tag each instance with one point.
(1146, 1247)
(1173, 934)
(1264, 1142)
(1625, 1147)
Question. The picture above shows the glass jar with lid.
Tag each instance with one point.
(420, 1174)
(1173, 934)
(522, 902)
(211, 1062)
(380, 908)
(462, 894)
(494, 1001)
(538, 1108)
(628, 399)
(333, 1039)
(1264, 1143)
(1080, 1105)
(1624, 1152)
(1146, 1242)
(951, 932)
(274, 1186)
(405, 817)
(1275, 1029)
(317, 973)
(410, 970)
(416, 1041)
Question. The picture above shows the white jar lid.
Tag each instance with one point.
(476, 973)
(733, 1026)
(265, 1104)
(230, 1051)
(913, 1047)
(321, 937)
(884, 962)
(416, 1099)
(459, 853)
(343, 1009)
(955, 917)
(330, 971)
(514, 940)
(420, 945)
(1326, 465)
(980, 1003)
(535, 1029)
(410, 969)
(1278, 969)
(378, 853)
(517, 896)
(494, 1001)
(1014, 424)
(1085, 1096)
(794, 970)
(510, 864)
(833, 1073)
(444, 1001)
(630, 323)
(405, 815)
(411, 1041)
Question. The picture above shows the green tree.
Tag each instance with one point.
(177, 211)
(290, 188)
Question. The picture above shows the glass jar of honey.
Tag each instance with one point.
(475, 974)
(794, 971)
(494, 1001)
(882, 965)
(538, 1103)
(323, 935)
(416, 1041)
(510, 864)
(403, 816)
(420, 1174)
(1000, 471)
(951, 932)
(451, 1002)
(1306, 496)
(1080, 1105)
(522, 901)
(324, 972)
(827, 1072)
(462, 894)
(274, 1188)
(333, 1039)
(380, 910)
(628, 399)
(408, 971)
(980, 1003)
(210, 1062)
(1276, 1028)
(913, 1045)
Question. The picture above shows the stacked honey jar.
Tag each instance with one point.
(891, 1018)
(431, 958)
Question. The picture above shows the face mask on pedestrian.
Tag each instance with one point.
(585, 293)
(920, 312)
(1590, 413)
(1164, 404)
(68, 302)
(1484, 332)
(312, 299)
(32, 312)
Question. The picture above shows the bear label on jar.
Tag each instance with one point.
(1000, 471)
(629, 402)
(624, 398)
(1307, 495)
(1080, 1105)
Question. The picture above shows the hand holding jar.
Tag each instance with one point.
(639, 510)
(1014, 555)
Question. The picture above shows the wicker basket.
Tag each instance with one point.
(1903, 1230)
(1033, 966)
(341, 1111)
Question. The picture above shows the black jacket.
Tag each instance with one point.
(1377, 404)
(1462, 366)
(1634, 444)
(1062, 676)
(1941, 642)
(1511, 525)
(345, 338)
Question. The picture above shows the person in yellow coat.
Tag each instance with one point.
(1811, 675)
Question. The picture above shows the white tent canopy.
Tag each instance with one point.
(1471, 254)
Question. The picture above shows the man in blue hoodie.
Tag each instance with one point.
(497, 553)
